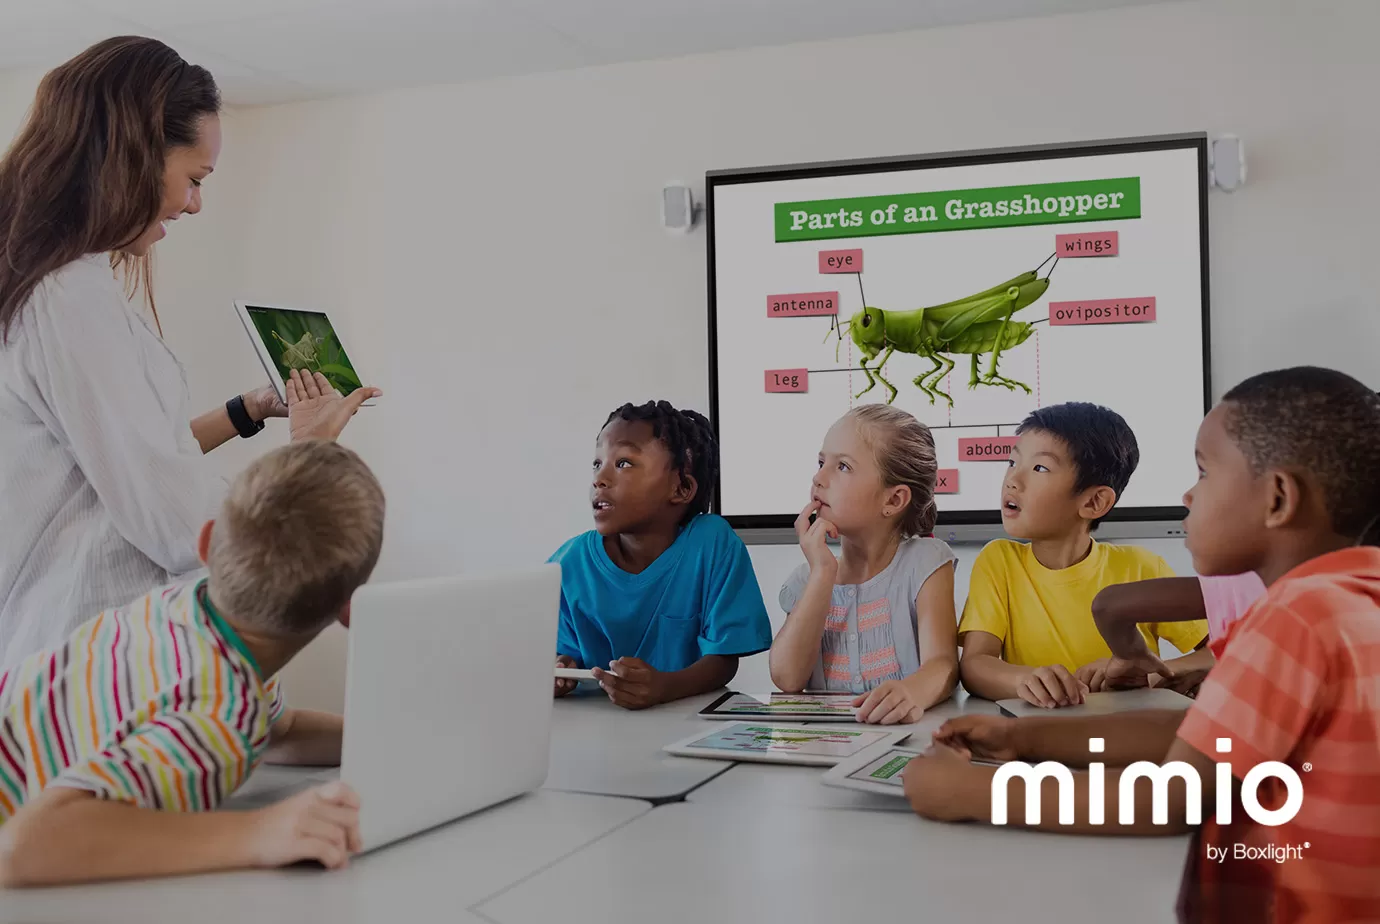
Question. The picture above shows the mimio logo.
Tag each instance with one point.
(1159, 777)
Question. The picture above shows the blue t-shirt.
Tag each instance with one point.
(700, 597)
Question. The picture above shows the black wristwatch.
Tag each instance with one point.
(246, 425)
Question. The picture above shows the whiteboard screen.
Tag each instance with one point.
(1087, 265)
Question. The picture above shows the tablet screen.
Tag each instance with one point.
(777, 739)
(785, 705)
(886, 769)
(304, 340)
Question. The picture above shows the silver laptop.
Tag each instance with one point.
(448, 697)
(1103, 703)
(447, 701)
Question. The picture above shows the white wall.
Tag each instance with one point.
(16, 93)
(494, 254)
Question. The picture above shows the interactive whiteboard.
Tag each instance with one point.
(968, 289)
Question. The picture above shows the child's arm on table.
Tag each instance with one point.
(305, 737)
(936, 630)
(945, 786)
(795, 650)
(985, 674)
(1145, 734)
(103, 819)
(68, 836)
(634, 684)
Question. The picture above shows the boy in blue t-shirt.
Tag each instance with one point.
(659, 600)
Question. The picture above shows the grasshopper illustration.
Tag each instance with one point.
(978, 325)
(302, 354)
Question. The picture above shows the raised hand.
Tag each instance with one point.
(316, 411)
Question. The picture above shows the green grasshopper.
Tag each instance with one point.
(302, 354)
(977, 325)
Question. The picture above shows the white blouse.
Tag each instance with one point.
(103, 488)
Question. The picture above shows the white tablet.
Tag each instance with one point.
(1104, 703)
(286, 338)
(573, 673)
(811, 746)
(788, 707)
(879, 770)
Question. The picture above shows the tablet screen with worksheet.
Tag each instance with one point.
(879, 770)
(788, 744)
(789, 707)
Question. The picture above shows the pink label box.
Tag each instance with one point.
(788, 381)
(840, 261)
(946, 481)
(985, 448)
(1102, 311)
(1087, 244)
(803, 305)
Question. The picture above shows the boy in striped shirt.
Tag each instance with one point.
(1289, 482)
(116, 747)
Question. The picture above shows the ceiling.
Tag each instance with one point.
(265, 51)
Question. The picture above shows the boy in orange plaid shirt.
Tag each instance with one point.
(1289, 480)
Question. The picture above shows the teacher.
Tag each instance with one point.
(102, 483)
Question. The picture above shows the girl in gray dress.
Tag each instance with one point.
(878, 620)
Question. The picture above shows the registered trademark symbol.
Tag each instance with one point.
(1306, 844)
(1307, 768)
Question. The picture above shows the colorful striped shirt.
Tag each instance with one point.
(1297, 681)
(158, 703)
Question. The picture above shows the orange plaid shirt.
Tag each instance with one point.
(1297, 681)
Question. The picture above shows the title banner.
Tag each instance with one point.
(959, 210)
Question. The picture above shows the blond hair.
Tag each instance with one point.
(300, 530)
(904, 450)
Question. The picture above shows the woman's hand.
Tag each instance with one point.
(263, 403)
(316, 411)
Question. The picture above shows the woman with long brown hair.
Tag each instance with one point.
(102, 484)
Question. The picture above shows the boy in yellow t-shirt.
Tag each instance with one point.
(1027, 629)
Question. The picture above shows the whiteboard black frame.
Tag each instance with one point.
(770, 526)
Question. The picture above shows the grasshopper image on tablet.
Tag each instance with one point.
(979, 325)
(302, 354)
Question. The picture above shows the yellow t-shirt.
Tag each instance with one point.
(1044, 617)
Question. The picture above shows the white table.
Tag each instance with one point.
(748, 785)
(693, 863)
(597, 747)
(431, 877)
